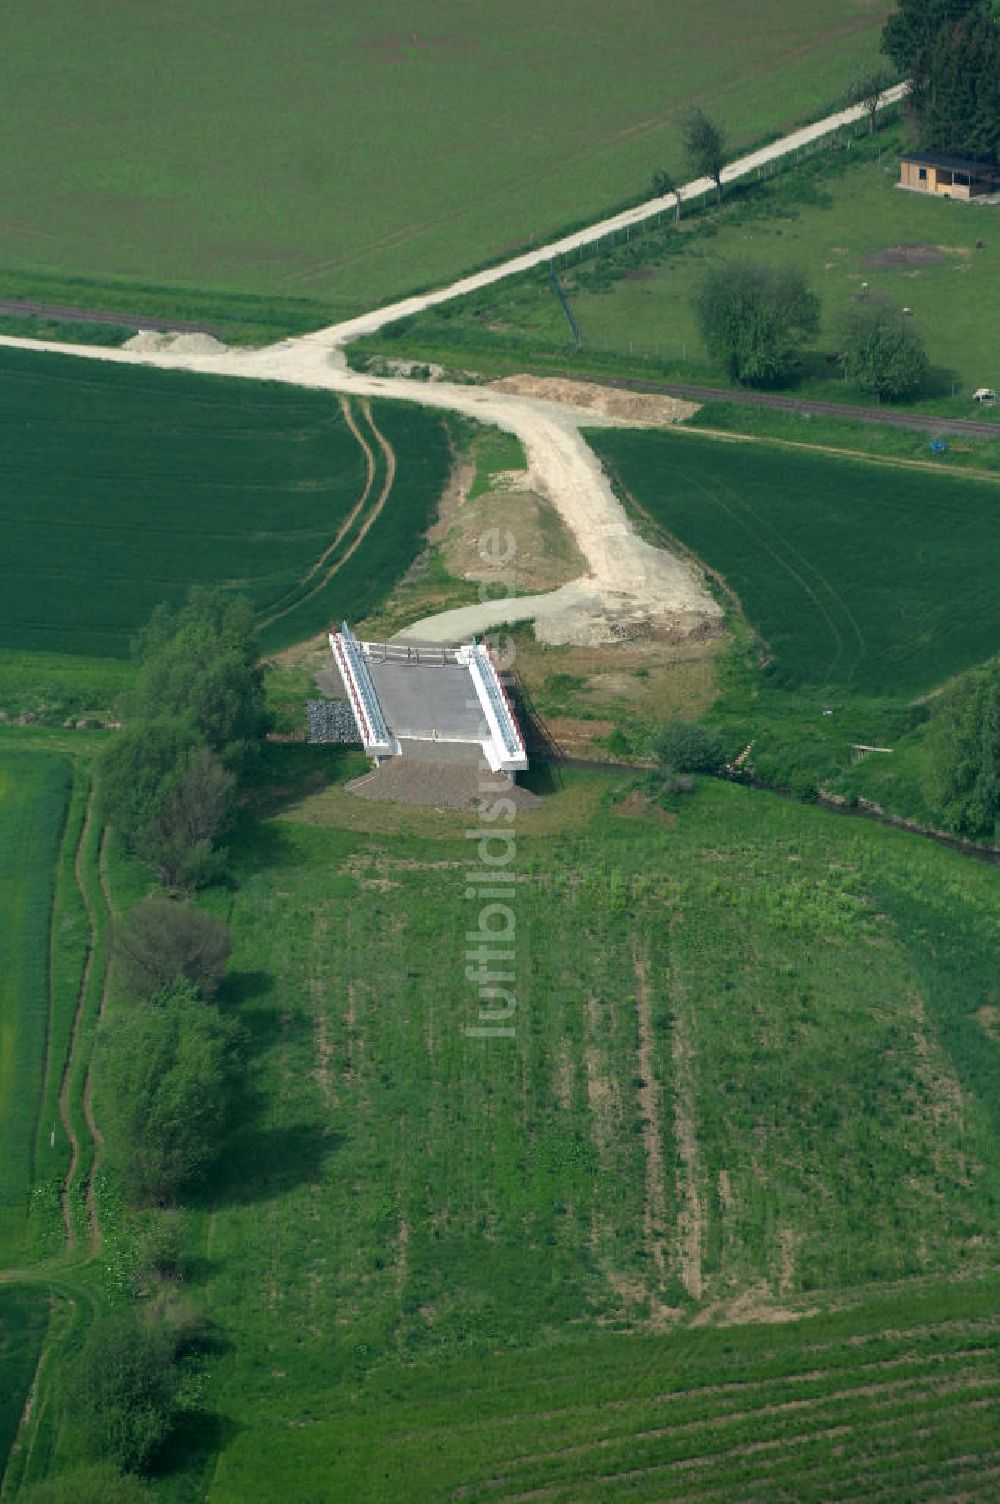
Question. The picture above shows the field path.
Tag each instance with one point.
(65, 1116)
(367, 323)
(389, 455)
(293, 595)
(629, 583)
(97, 1137)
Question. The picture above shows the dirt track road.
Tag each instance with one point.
(367, 323)
(630, 585)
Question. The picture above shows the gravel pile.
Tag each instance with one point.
(151, 341)
(332, 721)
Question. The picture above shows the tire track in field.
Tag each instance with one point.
(283, 603)
(96, 1136)
(896, 1393)
(373, 515)
(691, 1212)
(771, 1451)
(716, 497)
(65, 1117)
(807, 564)
(655, 1210)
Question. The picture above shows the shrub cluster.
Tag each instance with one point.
(168, 781)
(962, 781)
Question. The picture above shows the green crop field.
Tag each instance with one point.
(898, 1401)
(127, 486)
(349, 154)
(24, 1317)
(863, 575)
(34, 790)
(750, 1073)
(837, 216)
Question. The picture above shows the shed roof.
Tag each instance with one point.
(954, 164)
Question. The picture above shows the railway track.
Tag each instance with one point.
(919, 422)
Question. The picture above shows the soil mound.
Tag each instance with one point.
(155, 341)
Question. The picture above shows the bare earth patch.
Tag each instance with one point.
(988, 1018)
(642, 408)
(895, 256)
(639, 806)
(545, 556)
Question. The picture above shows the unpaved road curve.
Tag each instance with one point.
(629, 583)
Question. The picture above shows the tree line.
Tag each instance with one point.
(167, 1061)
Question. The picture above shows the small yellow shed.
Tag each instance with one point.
(949, 177)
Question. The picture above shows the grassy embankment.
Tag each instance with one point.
(829, 215)
(176, 479)
(456, 154)
(752, 1072)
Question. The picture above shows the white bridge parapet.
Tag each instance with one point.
(506, 749)
(376, 737)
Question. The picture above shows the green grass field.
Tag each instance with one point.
(129, 486)
(829, 215)
(898, 1401)
(750, 1074)
(24, 1317)
(34, 789)
(868, 577)
(348, 156)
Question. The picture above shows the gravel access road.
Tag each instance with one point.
(630, 586)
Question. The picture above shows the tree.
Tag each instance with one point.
(960, 104)
(100, 1484)
(165, 1071)
(133, 770)
(200, 664)
(947, 50)
(161, 941)
(705, 144)
(868, 92)
(685, 747)
(159, 1247)
(168, 796)
(962, 781)
(913, 28)
(196, 808)
(123, 1390)
(881, 350)
(754, 317)
(663, 186)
